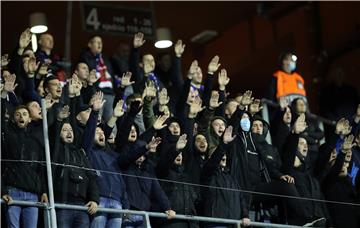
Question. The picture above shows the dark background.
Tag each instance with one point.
(324, 35)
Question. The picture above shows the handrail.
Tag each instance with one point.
(311, 115)
(151, 214)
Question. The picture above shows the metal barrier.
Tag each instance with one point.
(146, 215)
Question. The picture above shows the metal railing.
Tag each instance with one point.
(145, 214)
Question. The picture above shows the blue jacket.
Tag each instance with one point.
(111, 185)
(141, 182)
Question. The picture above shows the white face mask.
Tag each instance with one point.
(292, 66)
(245, 124)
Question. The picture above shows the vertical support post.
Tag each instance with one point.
(47, 220)
(48, 166)
(265, 114)
(147, 220)
(67, 51)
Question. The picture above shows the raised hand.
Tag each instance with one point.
(228, 136)
(347, 144)
(196, 106)
(214, 65)
(179, 48)
(5, 60)
(343, 127)
(283, 102)
(99, 101)
(193, 69)
(160, 122)
(10, 85)
(300, 124)
(138, 40)
(125, 79)
(247, 98)
(163, 97)
(25, 39)
(119, 110)
(64, 113)
(49, 102)
(74, 86)
(214, 100)
(44, 68)
(223, 79)
(92, 77)
(181, 143)
(30, 66)
(255, 107)
(150, 90)
(152, 145)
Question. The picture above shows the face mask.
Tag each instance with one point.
(245, 124)
(292, 66)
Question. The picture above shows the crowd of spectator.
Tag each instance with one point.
(135, 132)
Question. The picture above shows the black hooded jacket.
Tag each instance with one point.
(268, 153)
(74, 182)
(220, 202)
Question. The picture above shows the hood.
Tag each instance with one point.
(195, 151)
(211, 130)
(169, 136)
(266, 125)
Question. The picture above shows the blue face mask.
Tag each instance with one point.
(292, 65)
(245, 124)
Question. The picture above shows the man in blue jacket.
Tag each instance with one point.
(104, 159)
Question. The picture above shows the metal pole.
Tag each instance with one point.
(265, 114)
(151, 214)
(47, 221)
(67, 51)
(147, 221)
(48, 166)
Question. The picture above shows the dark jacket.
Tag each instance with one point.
(268, 153)
(181, 196)
(90, 59)
(72, 184)
(23, 144)
(141, 182)
(340, 189)
(306, 183)
(221, 203)
(111, 185)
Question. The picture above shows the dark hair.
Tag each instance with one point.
(93, 36)
(283, 55)
(47, 79)
(131, 98)
(18, 108)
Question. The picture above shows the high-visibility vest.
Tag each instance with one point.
(288, 84)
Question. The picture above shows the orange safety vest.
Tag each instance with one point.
(288, 84)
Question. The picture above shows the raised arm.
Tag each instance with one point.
(291, 144)
(89, 133)
(208, 85)
(176, 74)
(134, 66)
